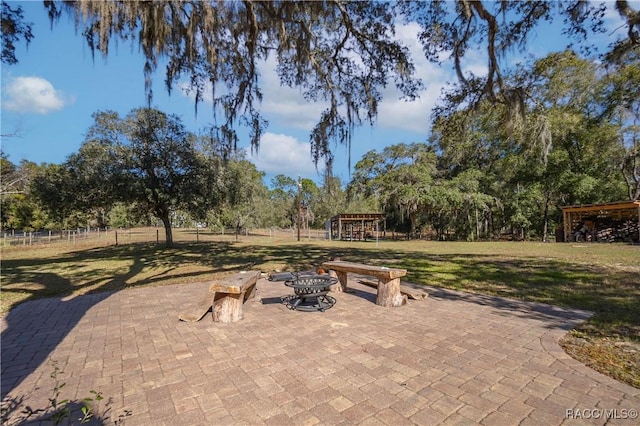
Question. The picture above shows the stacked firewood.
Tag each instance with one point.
(618, 231)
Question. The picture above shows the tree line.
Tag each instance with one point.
(147, 169)
(506, 150)
(576, 142)
(475, 178)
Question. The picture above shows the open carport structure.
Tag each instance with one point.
(356, 226)
(617, 221)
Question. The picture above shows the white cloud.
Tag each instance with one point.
(612, 17)
(415, 115)
(285, 104)
(33, 95)
(280, 104)
(616, 25)
(282, 154)
(286, 107)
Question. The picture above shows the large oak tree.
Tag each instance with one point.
(147, 158)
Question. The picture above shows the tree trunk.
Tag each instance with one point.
(166, 221)
(412, 222)
(545, 222)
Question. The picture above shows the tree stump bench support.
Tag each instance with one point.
(225, 298)
(388, 280)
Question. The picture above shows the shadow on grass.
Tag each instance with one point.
(613, 295)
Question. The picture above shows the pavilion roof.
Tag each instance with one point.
(617, 205)
(358, 216)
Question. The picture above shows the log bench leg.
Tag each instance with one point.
(341, 285)
(227, 307)
(250, 293)
(389, 293)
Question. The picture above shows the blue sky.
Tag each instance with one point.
(49, 96)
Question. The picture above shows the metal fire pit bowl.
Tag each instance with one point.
(310, 293)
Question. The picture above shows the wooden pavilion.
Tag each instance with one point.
(618, 221)
(355, 226)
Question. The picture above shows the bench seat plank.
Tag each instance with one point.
(235, 284)
(198, 310)
(379, 272)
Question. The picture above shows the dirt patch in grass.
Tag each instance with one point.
(615, 358)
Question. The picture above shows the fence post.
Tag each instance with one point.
(116, 237)
(197, 234)
(157, 236)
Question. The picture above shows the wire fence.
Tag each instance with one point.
(102, 236)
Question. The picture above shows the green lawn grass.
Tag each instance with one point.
(602, 278)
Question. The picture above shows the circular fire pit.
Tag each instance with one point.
(310, 292)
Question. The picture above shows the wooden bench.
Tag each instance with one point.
(388, 280)
(225, 298)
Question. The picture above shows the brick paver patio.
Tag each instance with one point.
(453, 358)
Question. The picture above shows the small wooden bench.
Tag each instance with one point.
(225, 298)
(388, 280)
